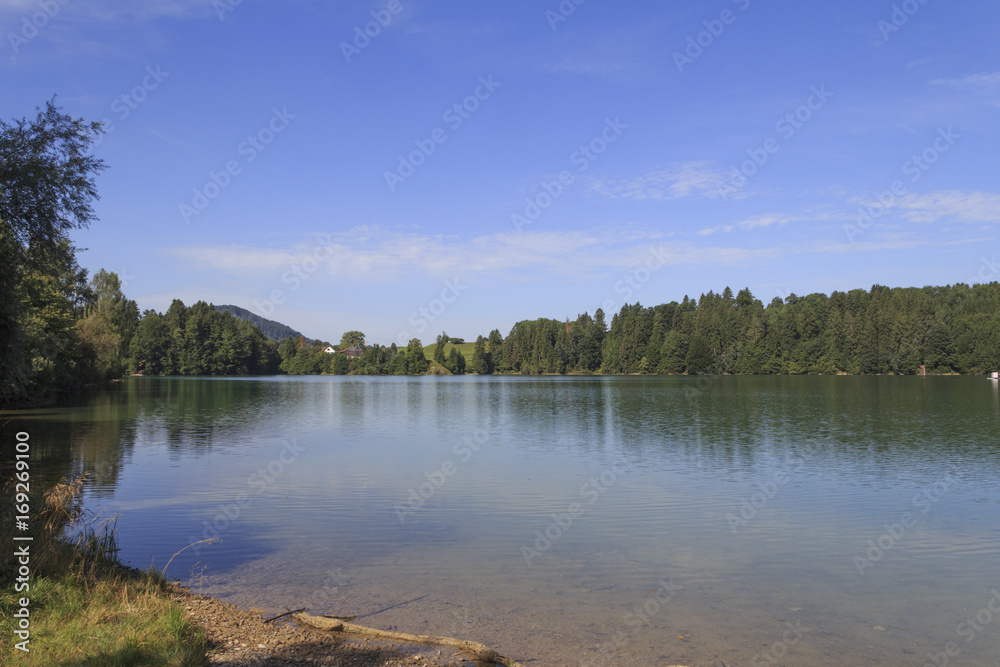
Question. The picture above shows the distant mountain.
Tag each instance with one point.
(272, 330)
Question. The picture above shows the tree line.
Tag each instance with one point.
(59, 329)
(298, 357)
(199, 340)
(901, 331)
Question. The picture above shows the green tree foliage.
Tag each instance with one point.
(200, 340)
(272, 330)
(47, 176)
(495, 349)
(439, 345)
(417, 362)
(482, 360)
(699, 358)
(109, 324)
(341, 364)
(456, 362)
(902, 331)
(352, 339)
(47, 186)
(299, 357)
(46, 354)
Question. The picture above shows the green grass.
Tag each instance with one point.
(116, 620)
(465, 349)
(86, 608)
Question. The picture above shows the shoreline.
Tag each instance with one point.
(244, 637)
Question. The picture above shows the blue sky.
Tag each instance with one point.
(470, 164)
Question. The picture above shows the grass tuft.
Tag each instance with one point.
(86, 607)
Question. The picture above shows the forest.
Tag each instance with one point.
(902, 331)
(199, 340)
(880, 331)
(272, 330)
(60, 330)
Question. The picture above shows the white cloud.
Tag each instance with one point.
(115, 10)
(889, 242)
(374, 254)
(985, 85)
(952, 205)
(690, 179)
(985, 81)
(765, 220)
(385, 256)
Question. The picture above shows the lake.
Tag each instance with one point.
(569, 520)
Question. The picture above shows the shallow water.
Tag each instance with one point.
(638, 520)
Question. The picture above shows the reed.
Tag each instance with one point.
(86, 606)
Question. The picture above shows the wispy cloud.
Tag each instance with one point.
(891, 242)
(985, 85)
(825, 213)
(371, 254)
(954, 205)
(985, 81)
(375, 254)
(115, 11)
(690, 179)
(943, 205)
(80, 31)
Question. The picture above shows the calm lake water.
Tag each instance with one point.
(579, 520)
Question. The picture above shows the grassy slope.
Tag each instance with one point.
(85, 607)
(116, 620)
(465, 349)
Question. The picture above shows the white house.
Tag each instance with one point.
(329, 350)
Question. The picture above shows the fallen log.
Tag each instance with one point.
(474, 650)
(287, 613)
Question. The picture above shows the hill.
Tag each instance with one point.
(465, 349)
(272, 330)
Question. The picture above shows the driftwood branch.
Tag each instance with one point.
(287, 613)
(474, 650)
